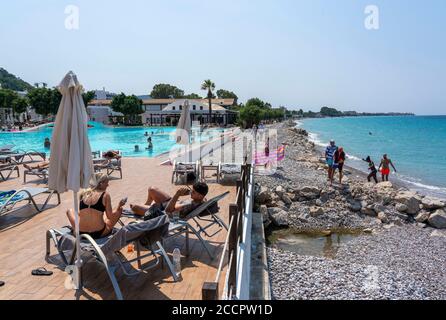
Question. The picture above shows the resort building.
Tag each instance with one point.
(162, 112)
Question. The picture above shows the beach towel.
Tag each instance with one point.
(6, 195)
(277, 155)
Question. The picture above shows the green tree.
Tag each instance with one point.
(129, 106)
(88, 97)
(193, 96)
(45, 101)
(19, 105)
(250, 115)
(330, 112)
(257, 102)
(209, 86)
(166, 91)
(225, 94)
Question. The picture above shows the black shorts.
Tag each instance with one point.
(340, 166)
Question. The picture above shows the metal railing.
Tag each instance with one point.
(237, 236)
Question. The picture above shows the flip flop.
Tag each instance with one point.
(2, 283)
(41, 272)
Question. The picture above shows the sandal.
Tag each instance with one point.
(2, 283)
(41, 272)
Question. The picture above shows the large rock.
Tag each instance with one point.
(310, 192)
(286, 199)
(423, 216)
(400, 207)
(384, 185)
(368, 211)
(264, 196)
(383, 217)
(264, 213)
(410, 199)
(316, 211)
(280, 219)
(379, 208)
(280, 191)
(355, 206)
(432, 203)
(438, 219)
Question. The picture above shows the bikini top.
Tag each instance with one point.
(99, 205)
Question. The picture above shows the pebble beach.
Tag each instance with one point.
(399, 255)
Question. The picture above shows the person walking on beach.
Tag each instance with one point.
(372, 169)
(339, 159)
(329, 158)
(384, 167)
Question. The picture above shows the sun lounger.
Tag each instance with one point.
(145, 235)
(184, 168)
(18, 157)
(110, 166)
(206, 212)
(7, 148)
(42, 174)
(228, 171)
(11, 198)
(9, 169)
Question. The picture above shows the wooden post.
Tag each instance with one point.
(232, 268)
(209, 291)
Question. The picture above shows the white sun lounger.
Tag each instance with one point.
(27, 194)
(106, 250)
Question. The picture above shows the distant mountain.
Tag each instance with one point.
(10, 81)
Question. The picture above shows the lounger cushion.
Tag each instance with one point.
(146, 232)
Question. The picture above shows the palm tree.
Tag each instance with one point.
(209, 86)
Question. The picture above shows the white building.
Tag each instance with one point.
(103, 95)
(159, 112)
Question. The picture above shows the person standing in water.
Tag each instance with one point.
(339, 159)
(329, 158)
(384, 167)
(47, 143)
(150, 145)
(372, 169)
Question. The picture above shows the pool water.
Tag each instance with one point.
(110, 138)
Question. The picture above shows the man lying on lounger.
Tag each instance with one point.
(170, 204)
(38, 166)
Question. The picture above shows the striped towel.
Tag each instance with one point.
(277, 155)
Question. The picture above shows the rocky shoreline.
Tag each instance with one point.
(298, 196)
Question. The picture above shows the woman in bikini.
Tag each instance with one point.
(96, 215)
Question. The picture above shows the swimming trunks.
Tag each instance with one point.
(385, 172)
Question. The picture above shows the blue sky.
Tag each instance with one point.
(293, 53)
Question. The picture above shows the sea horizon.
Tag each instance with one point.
(413, 143)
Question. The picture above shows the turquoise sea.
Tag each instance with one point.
(416, 145)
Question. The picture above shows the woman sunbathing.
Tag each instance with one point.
(39, 166)
(96, 215)
(170, 204)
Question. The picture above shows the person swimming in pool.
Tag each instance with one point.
(384, 167)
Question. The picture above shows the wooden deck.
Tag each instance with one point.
(22, 246)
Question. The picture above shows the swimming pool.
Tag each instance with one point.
(110, 138)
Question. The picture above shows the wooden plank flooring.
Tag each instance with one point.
(22, 246)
